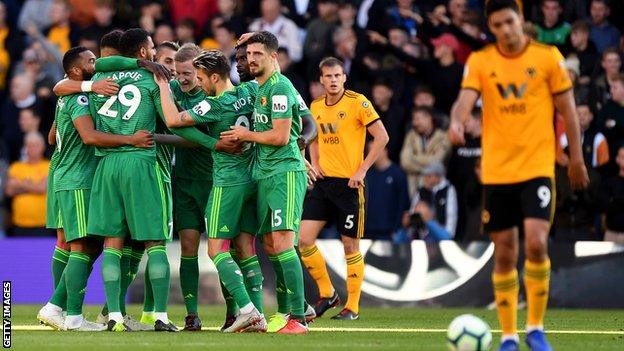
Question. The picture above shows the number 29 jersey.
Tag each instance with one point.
(134, 108)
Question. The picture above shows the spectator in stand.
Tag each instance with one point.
(301, 11)
(163, 32)
(601, 86)
(104, 15)
(584, 49)
(199, 11)
(552, 29)
(284, 29)
(27, 185)
(576, 211)
(392, 116)
(424, 97)
(388, 198)
(611, 120)
(402, 15)
(345, 44)
(22, 96)
(443, 75)
(185, 31)
(611, 201)
(229, 14)
(151, 15)
(603, 33)
(288, 69)
(10, 48)
(318, 43)
(30, 14)
(461, 172)
(61, 32)
(434, 206)
(424, 144)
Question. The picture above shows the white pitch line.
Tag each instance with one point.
(369, 330)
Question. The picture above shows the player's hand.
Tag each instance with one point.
(319, 172)
(577, 172)
(238, 133)
(312, 175)
(143, 138)
(357, 180)
(106, 87)
(229, 146)
(456, 133)
(159, 71)
(243, 38)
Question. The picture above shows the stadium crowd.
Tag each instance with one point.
(407, 56)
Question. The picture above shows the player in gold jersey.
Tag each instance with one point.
(342, 117)
(521, 83)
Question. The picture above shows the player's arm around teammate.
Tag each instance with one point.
(343, 117)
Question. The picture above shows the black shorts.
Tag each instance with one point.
(506, 205)
(332, 200)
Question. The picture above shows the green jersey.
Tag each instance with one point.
(164, 153)
(191, 163)
(231, 108)
(76, 161)
(134, 108)
(277, 99)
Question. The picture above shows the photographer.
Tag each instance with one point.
(433, 216)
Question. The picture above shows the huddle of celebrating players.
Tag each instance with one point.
(239, 173)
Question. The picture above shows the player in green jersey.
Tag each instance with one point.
(193, 175)
(279, 169)
(128, 195)
(75, 135)
(230, 214)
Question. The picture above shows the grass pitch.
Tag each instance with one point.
(379, 328)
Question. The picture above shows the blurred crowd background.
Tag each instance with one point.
(406, 56)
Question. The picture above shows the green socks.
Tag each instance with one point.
(159, 275)
(252, 275)
(59, 261)
(283, 300)
(126, 277)
(148, 293)
(189, 282)
(111, 275)
(293, 277)
(59, 297)
(230, 276)
(78, 269)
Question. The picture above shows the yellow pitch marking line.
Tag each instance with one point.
(368, 330)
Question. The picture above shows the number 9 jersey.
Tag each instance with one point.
(134, 108)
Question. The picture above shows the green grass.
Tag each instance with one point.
(429, 318)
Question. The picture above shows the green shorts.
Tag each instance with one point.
(191, 197)
(231, 210)
(129, 196)
(280, 202)
(73, 208)
(53, 219)
(169, 207)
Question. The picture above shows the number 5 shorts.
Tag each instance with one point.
(280, 202)
(128, 197)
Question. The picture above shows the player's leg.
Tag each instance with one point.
(501, 215)
(60, 256)
(223, 216)
(537, 200)
(146, 209)
(351, 204)
(53, 221)
(317, 210)
(107, 219)
(191, 198)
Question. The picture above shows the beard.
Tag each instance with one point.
(87, 75)
(257, 73)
